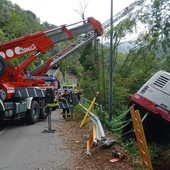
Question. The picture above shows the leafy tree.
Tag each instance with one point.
(3, 37)
(16, 27)
(155, 17)
(5, 14)
(63, 68)
(119, 32)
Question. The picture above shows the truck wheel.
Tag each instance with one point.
(34, 113)
(3, 66)
(43, 113)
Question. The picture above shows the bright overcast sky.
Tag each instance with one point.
(61, 12)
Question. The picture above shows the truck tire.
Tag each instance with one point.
(3, 66)
(34, 113)
(43, 113)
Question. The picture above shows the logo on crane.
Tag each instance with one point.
(20, 50)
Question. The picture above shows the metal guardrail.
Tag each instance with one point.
(100, 134)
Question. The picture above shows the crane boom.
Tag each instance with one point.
(42, 41)
(122, 13)
(51, 62)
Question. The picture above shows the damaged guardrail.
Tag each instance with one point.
(97, 133)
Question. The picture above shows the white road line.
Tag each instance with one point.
(1, 132)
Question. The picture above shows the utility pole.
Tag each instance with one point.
(98, 62)
(111, 63)
(103, 73)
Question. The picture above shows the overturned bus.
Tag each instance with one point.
(153, 98)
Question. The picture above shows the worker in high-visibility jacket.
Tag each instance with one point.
(65, 99)
(50, 100)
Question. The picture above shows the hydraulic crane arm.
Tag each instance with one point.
(122, 13)
(42, 41)
(51, 62)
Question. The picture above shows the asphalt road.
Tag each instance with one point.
(25, 147)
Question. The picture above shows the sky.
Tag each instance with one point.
(59, 12)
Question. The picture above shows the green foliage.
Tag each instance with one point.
(131, 147)
(74, 67)
(16, 27)
(63, 68)
(155, 16)
(3, 37)
(121, 29)
(137, 168)
(88, 60)
(5, 14)
(79, 112)
(158, 153)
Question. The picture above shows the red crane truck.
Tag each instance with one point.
(20, 95)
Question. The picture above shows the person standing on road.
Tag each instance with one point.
(65, 99)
